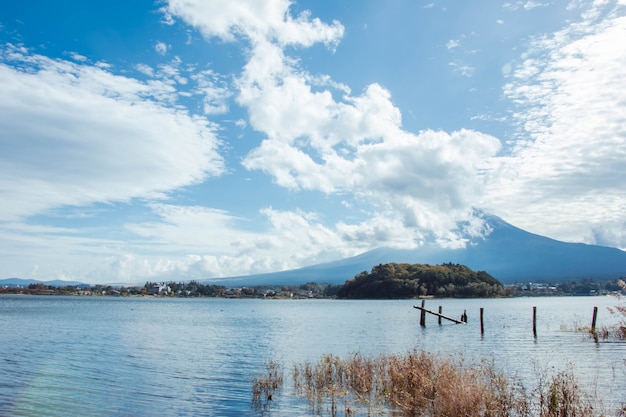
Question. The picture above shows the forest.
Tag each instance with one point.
(394, 280)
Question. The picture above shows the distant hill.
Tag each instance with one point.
(509, 254)
(15, 282)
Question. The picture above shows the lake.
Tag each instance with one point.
(107, 356)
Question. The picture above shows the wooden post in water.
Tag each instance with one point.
(439, 318)
(535, 321)
(593, 319)
(424, 311)
(482, 328)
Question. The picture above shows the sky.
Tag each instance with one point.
(194, 139)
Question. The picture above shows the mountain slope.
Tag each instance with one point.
(508, 253)
(17, 282)
(20, 282)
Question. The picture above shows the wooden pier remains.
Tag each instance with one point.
(463, 320)
(482, 326)
(424, 310)
(593, 319)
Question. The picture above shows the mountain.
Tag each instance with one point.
(17, 282)
(20, 282)
(509, 254)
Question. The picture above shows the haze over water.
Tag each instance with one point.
(104, 356)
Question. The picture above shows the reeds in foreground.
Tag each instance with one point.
(617, 332)
(265, 386)
(564, 397)
(414, 384)
(422, 384)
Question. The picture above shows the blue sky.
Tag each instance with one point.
(178, 140)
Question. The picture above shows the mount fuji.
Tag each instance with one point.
(508, 253)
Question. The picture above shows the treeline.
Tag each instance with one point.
(584, 287)
(395, 280)
(385, 281)
(197, 289)
(589, 286)
(181, 289)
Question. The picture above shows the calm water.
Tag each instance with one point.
(104, 356)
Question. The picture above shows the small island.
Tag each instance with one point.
(401, 280)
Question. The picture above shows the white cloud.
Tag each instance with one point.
(529, 5)
(161, 48)
(167, 18)
(145, 69)
(214, 90)
(75, 134)
(453, 43)
(380, 230)
(462, 69)
(289, 237)
(78, 57)
(567, 168)
(190, 228)
(258, 21)
(47, 252)
(195, 242)
(171, 72)
(526, 5)
(429, 181)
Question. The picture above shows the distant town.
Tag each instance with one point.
(178, 289)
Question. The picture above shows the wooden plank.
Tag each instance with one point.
(437, 314)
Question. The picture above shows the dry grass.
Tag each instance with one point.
(620, 310)
(617, 332)
(414, 384)
(265, 386)
(563, 397)
(335, 383)
(422, 384)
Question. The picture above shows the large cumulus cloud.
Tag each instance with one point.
(76, 134)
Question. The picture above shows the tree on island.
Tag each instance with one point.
(395, 280)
